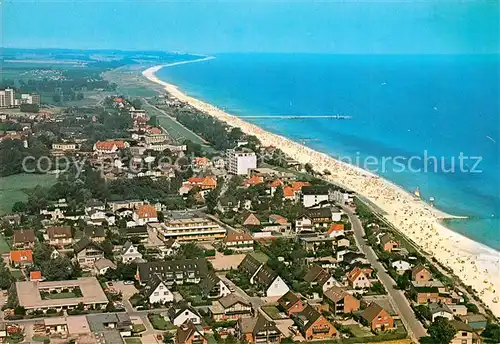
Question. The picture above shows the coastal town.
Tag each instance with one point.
(150, 236)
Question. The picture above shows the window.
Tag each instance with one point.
(156, 293)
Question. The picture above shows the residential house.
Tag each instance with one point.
(129, 204)
(458, 310)
(101, 266)
(420, 274)
(60, 236)
(231, 307)
(97, 234)
(23, 238)
(130, 253)
(280, 223)
(257, 330)
(476, 321)
(181, 312)
(157, 291)
(401, 266)
(213, 287)
(189, 333)
(312, 195)
(252, 181)
(377, 318)
(238, 241)
(173, 271)
(358, 279)
(109, 147)
(336, 230)
(36, 276)
(340, 301)
(227, 204)
(465, 334)
(87, 252)
(313, 325)
(440, 310)
(136, 232)
(262, 275)
(144, 214)
(388, 243)
(430, 291)
(291, 303)
(317, 276)
(250, 219)
(21, 258)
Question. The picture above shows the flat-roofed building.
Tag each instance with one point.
(90, 291)
(187, 228)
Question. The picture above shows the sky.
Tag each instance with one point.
(341, 27)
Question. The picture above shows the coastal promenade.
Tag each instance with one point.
(399, 301)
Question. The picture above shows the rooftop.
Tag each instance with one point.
(29, 293)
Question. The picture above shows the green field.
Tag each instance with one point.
(4, 247)
(51, 296)
(13, 188)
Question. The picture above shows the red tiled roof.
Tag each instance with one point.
(253, 180)
(21, 256)
(335, 227)
(354, 273)
(147, 211)
(297, 186)
(288, 191)
(108, 145)
(276, 183)
(35, 275)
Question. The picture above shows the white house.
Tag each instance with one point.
(178, 315)
(101, 266)
(130, 253)
(358, 279)
(312, 195)
(440, 310)
(145, 214)
(158, 292)
(277, 287)
(401, 266)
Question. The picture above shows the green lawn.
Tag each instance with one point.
(272, 311)
(13, 188)
(133, 340)
(359, 332)
(4, 247)
(136, 328)
(40, 338)
(50, 296)
(159, 323)
(17, 274)
(260, 256)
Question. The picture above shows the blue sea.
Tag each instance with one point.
(402, 106)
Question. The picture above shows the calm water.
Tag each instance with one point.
(401, 106)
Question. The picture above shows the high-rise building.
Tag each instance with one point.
(241, 161)
(7, 98)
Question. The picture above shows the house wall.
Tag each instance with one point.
(463, 337)
(321, 329)
(161, 295)
(277, 288)
(382, 321)
(361, 282)
(187, 314)
(422, 276)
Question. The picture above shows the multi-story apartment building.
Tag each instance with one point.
(240, 162)
(187, 228)
(7, 98)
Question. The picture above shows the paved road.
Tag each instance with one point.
(415, 329)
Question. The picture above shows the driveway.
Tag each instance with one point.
(414, 327)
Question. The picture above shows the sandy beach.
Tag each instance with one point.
(474, 263)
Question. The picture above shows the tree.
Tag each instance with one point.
(19, 207)
(441, 331)
(492, 333)
(6, 278)
(277, 202)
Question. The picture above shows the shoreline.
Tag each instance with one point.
(476, 264)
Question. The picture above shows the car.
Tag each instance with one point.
(128, 282)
